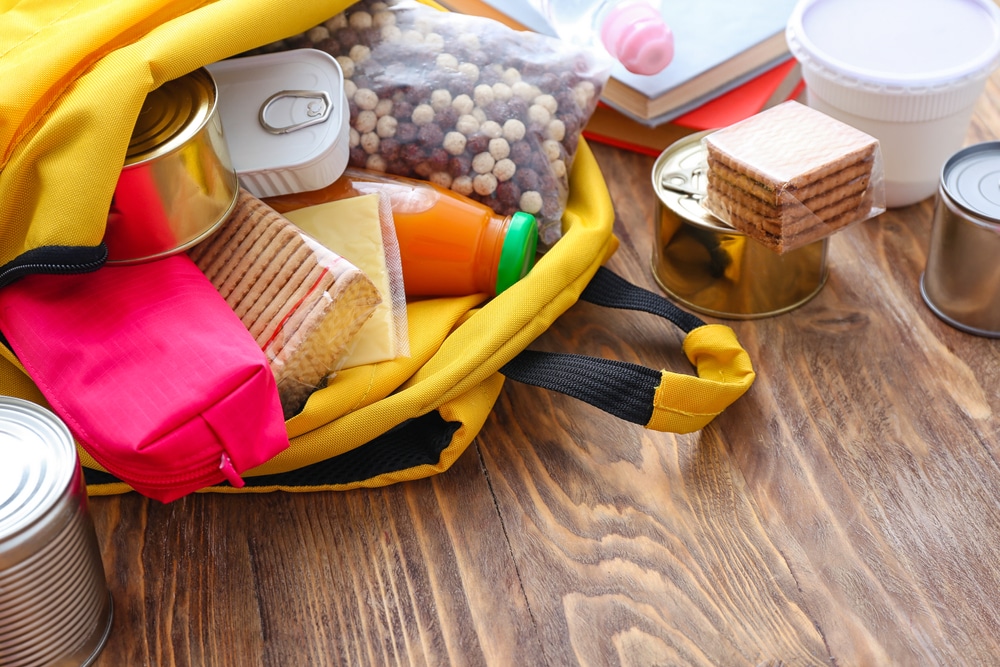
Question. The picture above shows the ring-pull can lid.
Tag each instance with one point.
(971, 177)
(301, 109)
(286, 119)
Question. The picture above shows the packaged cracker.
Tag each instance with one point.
(791, 175)
(302, 302)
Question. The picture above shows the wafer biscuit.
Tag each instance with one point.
(794, 210)
(723, 205)
(720, 173)
(782, 235)
(790, 175)
(301, 302)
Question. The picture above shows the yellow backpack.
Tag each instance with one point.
(73, 76)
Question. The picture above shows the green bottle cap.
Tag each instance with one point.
(518, 253)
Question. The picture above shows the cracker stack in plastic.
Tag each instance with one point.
(302, 302)
(792, 175)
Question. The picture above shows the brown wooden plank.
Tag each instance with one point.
(843, 512)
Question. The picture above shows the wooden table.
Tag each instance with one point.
(845, 511)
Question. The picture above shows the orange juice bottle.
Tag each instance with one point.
(449, 244)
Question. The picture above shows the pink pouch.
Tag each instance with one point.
(152, 371)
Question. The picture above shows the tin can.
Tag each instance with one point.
(55, 608)
(178, 184)
(287, 118)
(961, 282)
(704, 264)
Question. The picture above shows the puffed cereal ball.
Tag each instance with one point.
(513, 130)
(370, 142)
(483, 163)
(441, 178)
(318, 34)
(360, 54)
(366, 98)
(463, 185)
(531, 202)
(538, 115)
(454, 142)
(447, 61)
(484, 184)
(556, 130)
(463, 104)
(336, 22)
(423, 114)
(347, 65)
(366, 121)
(360, 20)
(499, 148)
(470, 71)
(383, 108)
(386, 126)
(504, 169)
(440, 99)
(467, 124)
(376, 162)
(483, 94)
(383, 18)
(551, 149)
(491, 129)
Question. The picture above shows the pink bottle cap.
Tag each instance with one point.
(637, 36)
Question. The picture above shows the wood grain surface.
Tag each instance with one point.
(843, 512)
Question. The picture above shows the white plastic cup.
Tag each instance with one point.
(907, 72)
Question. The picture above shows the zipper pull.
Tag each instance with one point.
(226, 466)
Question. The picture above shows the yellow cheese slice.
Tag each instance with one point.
(352, 228)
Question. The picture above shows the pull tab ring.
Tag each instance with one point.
(689, 182)
(318, 110)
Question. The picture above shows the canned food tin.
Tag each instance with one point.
(961, 282)
(706, 265)
(287, 118)
(178, 183)
(55, 608)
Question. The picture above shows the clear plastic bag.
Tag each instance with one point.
(792, 175)
(464, 102)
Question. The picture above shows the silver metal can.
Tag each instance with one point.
(55, 608)
(961, 282)
(178, 184)
(703, 263)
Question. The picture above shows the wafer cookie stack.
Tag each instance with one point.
(302, 302)
(791, 175)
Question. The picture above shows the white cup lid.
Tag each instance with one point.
(910, 43)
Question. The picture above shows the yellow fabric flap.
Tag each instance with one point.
(685, 403)
(73, 77)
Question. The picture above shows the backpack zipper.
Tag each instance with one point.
(15, 270)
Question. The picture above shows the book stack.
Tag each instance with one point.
(731, 61)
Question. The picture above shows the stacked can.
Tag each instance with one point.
(706, 265)
(55, 608)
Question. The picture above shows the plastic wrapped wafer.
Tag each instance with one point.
(302, 303)
(792, 175)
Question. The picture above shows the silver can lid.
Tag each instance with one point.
(680, 180)
(39, 462)
(971, 178)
